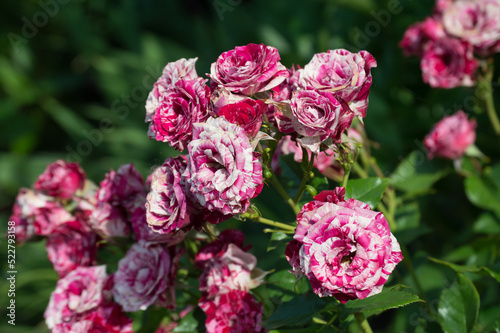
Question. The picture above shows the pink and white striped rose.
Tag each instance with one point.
(476, 22)
(345, 249)
(79, 292)
(225, 172)
(182, 104)
(248, 69)
(451, 136)
(61, 179)
(343, 73)
(71, 245)
(236, 311)
(448, 63)
(145, 276)
(169, 205)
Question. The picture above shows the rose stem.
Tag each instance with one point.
(305, 178)
(276, 224)
(277, 185)
(363, 323)
(486, 93)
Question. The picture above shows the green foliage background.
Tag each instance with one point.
(94, 62)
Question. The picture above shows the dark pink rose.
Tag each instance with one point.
(247, 114)
(248, 69)
(347, 75)
(145, 276)
(476, 22)
(448, 63)
(451, 137)
(236, 311)
(225, 172)
(169, 202)
(177, 109)
(71, 245)
(343, 248)
(61, 179)
(79, 292)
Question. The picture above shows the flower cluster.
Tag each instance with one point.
(221, 126)
(448, 40)
(345, 249)
(229, 272)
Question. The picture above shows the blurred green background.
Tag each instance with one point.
(74, 77)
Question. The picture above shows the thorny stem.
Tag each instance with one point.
(363, 323)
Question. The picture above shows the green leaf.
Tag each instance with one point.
(151, 319)
(188, 324)
(278, 238)
(409, 179)
(368, 190)
(484, 191)
(298, 311)
(389, 298)
(469, 268)
(486, 224)
(458, 307)
(284, 285)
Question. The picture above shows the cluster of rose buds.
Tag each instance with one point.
(448, 41)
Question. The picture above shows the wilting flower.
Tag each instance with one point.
(169, 207)
(61, 179)
(176, 110)
(343, 73)
(476, 22)
(248, 69)
(236, 311)
(80, 291)
(317, 116)
(225, 173)
(145, 276)
(448, 63)
(451, 136)
(71, 245)
(345, 249)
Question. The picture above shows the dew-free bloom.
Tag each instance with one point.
(345, 249)
(248, 69)
(145, 276)
(225, 172)
(451, 136)
(61, 179)
(80, 291)
(343, 73)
